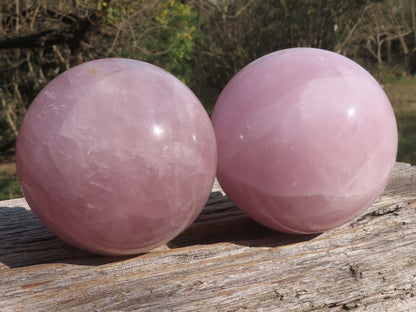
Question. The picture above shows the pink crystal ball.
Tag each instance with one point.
(307, 140)
(116, 156)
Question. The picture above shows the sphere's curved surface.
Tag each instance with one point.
(116, 156)
(307, 140)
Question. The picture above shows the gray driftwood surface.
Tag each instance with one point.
(223, 262)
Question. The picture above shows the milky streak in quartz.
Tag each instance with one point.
(307, 140)
(116, 156)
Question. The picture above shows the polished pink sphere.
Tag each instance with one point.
(116, 156)
(307, 140)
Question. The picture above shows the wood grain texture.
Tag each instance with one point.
(223, 262)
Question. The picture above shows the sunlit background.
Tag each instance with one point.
(203, 42)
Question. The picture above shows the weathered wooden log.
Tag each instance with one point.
(223, 262)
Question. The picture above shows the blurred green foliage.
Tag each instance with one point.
(165, 37)
(202, 42)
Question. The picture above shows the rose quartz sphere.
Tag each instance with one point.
(116, 156)
(307, 140)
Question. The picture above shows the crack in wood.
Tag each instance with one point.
(385, 210)
(355, 271)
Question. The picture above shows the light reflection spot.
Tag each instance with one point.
(157, 130)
